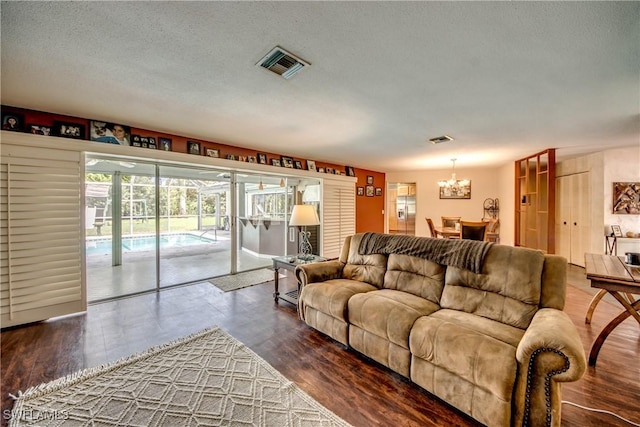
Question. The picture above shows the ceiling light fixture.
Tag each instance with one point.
(453, 183)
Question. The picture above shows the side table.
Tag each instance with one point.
(289, 263)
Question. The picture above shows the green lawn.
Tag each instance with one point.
(174, 224)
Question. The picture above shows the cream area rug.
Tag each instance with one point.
(243, 280)
(206, 379)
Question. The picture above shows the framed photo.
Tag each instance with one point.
(69, 130)
(262, 158)
(13, 122)
(152, 142)
(275, 162)
(251, 159)
(321, 170)
(369, 191)
(369, 179)
(350, 171)
(456, 192)
(615, 230)
(287, 162)
(110, 133)
(311, 165)
(193, 147)
(212, 152)
(136, 140)
(626, 198)
(39, 130)
(231, 157)
(378, 191)
(165, 144)
(360, 191)
(328, 170)
(297, 164)
(144, 142)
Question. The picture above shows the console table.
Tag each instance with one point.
(289, 263)
(610, 274)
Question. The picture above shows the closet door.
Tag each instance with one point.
(40, 234)
(573, 217)
(338, 215)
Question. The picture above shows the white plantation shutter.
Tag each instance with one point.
(40, 234)
(338, 215)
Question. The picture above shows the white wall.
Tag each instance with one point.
(485, 183)
(605, 168)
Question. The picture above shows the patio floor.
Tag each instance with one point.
(178, 265)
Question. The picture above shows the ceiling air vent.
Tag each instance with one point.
(282, 62)
(440, 139)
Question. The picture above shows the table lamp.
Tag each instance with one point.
(303, 216)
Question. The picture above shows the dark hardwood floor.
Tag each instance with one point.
(358, 390)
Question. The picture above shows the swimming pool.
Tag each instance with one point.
(146, 243)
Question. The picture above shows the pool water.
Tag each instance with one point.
(146, 243)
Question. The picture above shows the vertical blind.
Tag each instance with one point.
(338, 215)
(40, 235)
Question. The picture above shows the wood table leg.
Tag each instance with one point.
(597, 344)
(592, 306)
(628, 306)
(276, 275)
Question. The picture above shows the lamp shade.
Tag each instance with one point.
(304, 215)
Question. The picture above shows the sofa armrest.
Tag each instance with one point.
(318, 272)
(549, 353)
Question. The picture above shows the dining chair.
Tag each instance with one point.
(492, 225)
(432, 228)
(450, 221)
(471, 230)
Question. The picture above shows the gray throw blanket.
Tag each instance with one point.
(467, 254)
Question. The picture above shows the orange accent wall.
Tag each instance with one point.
(369, 216)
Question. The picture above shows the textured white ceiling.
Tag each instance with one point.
(505, 79)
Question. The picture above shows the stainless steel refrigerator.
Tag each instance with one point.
(405, 210)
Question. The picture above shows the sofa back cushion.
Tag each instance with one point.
(416, 276)
(364, 268)
(508, 290)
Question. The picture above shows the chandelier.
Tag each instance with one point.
(453, 183)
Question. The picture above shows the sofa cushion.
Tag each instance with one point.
(330, 297)
(508, 289)
(364, 268)
(388, 313)
(470, 354)
(416, 276)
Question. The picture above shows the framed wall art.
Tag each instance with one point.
(616, 230)
(311, 165)
(262, 158)
(13, 122)
(193, 147)
(39, 130)
(360, 191)
(110, 133)
(457, 191)
(69, 130)
(626, 198)
(369, 191)
(165, 144)
(212, 152)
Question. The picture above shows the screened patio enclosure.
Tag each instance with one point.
(150, 226)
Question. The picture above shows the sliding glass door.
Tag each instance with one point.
(120, 228)
(151, 226)
(195, 230)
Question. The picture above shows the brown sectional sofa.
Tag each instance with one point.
(493, 343)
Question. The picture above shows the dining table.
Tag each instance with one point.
(612, 275)
(453, 233)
